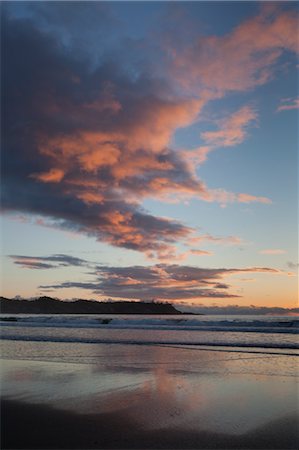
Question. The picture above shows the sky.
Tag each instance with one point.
(149, 151)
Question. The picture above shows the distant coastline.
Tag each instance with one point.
(49, 305)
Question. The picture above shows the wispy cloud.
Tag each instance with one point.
(287, 104)
(47, 262)
(222, 240)
(52, 176)
(224, 197)
(272, 251)
(233, 130)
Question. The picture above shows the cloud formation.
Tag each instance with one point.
(287, 104)
(161, 282)
(231, 132)
(84, 147)
(86, 137)
(47, 262)
(236, 61)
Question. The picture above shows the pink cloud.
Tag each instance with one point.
(288, 104)
(91, 197)
(196, 156)
(169, 256)
(232, 131)
(226, 240)
(133, 151)
(247, 198)
(52, 176)
(200, 252)
(135, 173)
(224, 197)
(47, 262)
(237, 61)
(272, 251)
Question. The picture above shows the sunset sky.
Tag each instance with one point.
(149, 151)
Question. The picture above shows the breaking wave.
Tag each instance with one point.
(268, 325)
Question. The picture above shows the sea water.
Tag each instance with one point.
(247, 333)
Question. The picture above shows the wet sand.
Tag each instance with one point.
(38, 426)
(152, 398)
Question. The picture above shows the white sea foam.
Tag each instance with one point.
(234, 331)
(256, 325)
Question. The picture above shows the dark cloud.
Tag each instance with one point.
(80, 26)
(47, 262)
(292, 265)
(84, 146)
(86, 133)
(34, 265)
(160, 282)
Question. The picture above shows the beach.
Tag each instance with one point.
(80, 395)
(149, 225)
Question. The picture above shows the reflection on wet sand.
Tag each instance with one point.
(160, 388)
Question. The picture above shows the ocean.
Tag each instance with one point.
(267, 334)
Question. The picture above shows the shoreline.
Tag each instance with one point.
(86, 396)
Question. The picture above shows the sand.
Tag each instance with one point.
(37, 426)
(151, 397)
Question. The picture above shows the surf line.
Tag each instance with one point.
(213, 349)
